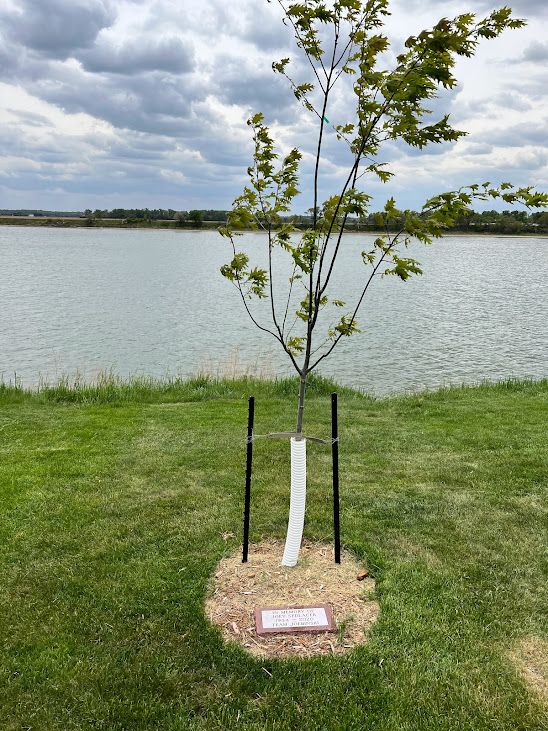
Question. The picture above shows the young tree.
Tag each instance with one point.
(342, 43)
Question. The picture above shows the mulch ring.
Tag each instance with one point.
(237, 588)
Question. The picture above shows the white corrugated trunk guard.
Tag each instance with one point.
(297, 502)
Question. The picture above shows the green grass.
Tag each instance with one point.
(114, 499)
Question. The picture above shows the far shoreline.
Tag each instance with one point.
(213, 227)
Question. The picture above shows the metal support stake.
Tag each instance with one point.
(247, 505)
(335, 452)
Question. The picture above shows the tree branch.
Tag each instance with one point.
(352, 320)
(298, 36)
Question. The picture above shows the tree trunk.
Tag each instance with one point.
(300, 411)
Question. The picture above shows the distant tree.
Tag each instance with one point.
(509, 225)
(517, 215)
(540, 220)
(463, 221)
(180, 218)
(214, 215)
(117, 213)
(490, 216)
(195, 217)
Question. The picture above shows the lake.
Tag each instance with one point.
(153, 302)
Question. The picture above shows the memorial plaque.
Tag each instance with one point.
(271, 620)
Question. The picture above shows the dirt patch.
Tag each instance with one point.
(530, 656)
(238, 588)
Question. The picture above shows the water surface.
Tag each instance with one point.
(149, 302)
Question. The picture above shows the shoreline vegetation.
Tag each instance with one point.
(120, 499)
(225, 380)
(213, 226)
(509, 224)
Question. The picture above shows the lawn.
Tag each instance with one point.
(116, 503)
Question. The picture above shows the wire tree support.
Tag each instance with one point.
(249, 461)
(335, 456)
(334, 441)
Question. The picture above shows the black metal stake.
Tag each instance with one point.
(250, 420)
(335, 452)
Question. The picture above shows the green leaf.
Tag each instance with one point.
(346, 326)
(295, 345)
(403, 268)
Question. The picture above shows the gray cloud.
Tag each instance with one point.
(478, 148)
(258, 26)
(536, 7)
(513, 100)
(57, 27)
(493, 107)
(535, 52)
(520, 7)
(152, 103)
(138, 55)
(126, 150)
(126, 168)
(227, 156)
(257, 89)
(30, 118)
(518, 135)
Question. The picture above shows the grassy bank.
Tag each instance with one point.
(118, 500)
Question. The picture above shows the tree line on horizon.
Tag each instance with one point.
(505, 222)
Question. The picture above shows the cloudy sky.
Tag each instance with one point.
(143, 103)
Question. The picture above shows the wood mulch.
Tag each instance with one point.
(237, 588)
